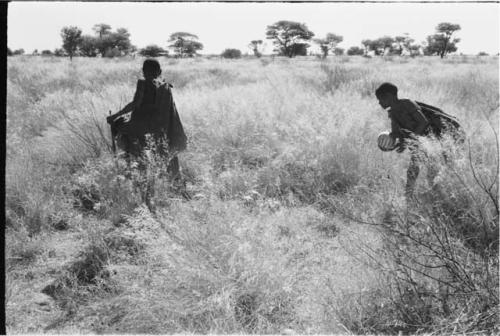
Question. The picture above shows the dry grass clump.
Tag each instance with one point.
(27, 185)
(21, 250)
(87, 277)
(212, 268)
(109, 189)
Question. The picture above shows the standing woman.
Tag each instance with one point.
(154, 119)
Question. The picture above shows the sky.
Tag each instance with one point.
(37, 25)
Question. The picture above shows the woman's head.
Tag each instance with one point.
(151, 68)
(387, 94)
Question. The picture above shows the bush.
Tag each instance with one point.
(152, 51)
(231, 53)
(18, 52)
(59, 52)
(113, 52)
(355, 51)
(439, 256)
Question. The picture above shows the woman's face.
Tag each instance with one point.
(384, 100)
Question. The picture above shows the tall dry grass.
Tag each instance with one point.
(283, 169)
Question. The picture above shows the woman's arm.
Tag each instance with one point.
(130, 106)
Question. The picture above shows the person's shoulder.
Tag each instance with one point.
(162, 83)
(408, 102)
(141, 83)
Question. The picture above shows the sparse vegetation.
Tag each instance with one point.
(296, 220)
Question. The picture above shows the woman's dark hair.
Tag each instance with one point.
(151, 66)
(386, 88)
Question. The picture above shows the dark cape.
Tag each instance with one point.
(155, 113)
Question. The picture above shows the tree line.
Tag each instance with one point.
(292, 38)
(289, 39)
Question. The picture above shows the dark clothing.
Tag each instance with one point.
(407, 117)
(154, 114)
(153, 104)
(149, 94)
(408, 120)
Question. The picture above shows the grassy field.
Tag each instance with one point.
(297, 221)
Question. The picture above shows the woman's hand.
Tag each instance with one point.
(111, 118)
(401, 147)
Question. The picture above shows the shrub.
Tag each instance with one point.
(59, 52)
(112, 52)
(231, 53)
(152, 51)
(439, 255)
(355, 51)
(21, 250)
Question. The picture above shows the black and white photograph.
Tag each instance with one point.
(260, 167)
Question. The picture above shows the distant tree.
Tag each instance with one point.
(121, 40)
(255, 45)
(415, 49)
(355, 51)
(482, 53)
(18, 52)
(384, 45)
(152, 50)
(338, 51)
(59, 52)
(398, 42)
(88, 46)
(289, 37)
(106, 42)
(191, 49)
(380, 46)
(329, 43)
(300, 49)
(366, 43)
(438, 45)
(402, 44)
(441, 42)
(9, 52)
(113, 52)
(35, 52)
(184, 44)
(101, 29)
(133, 49)
(46, 52)
(71, 37)
(231, 53)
